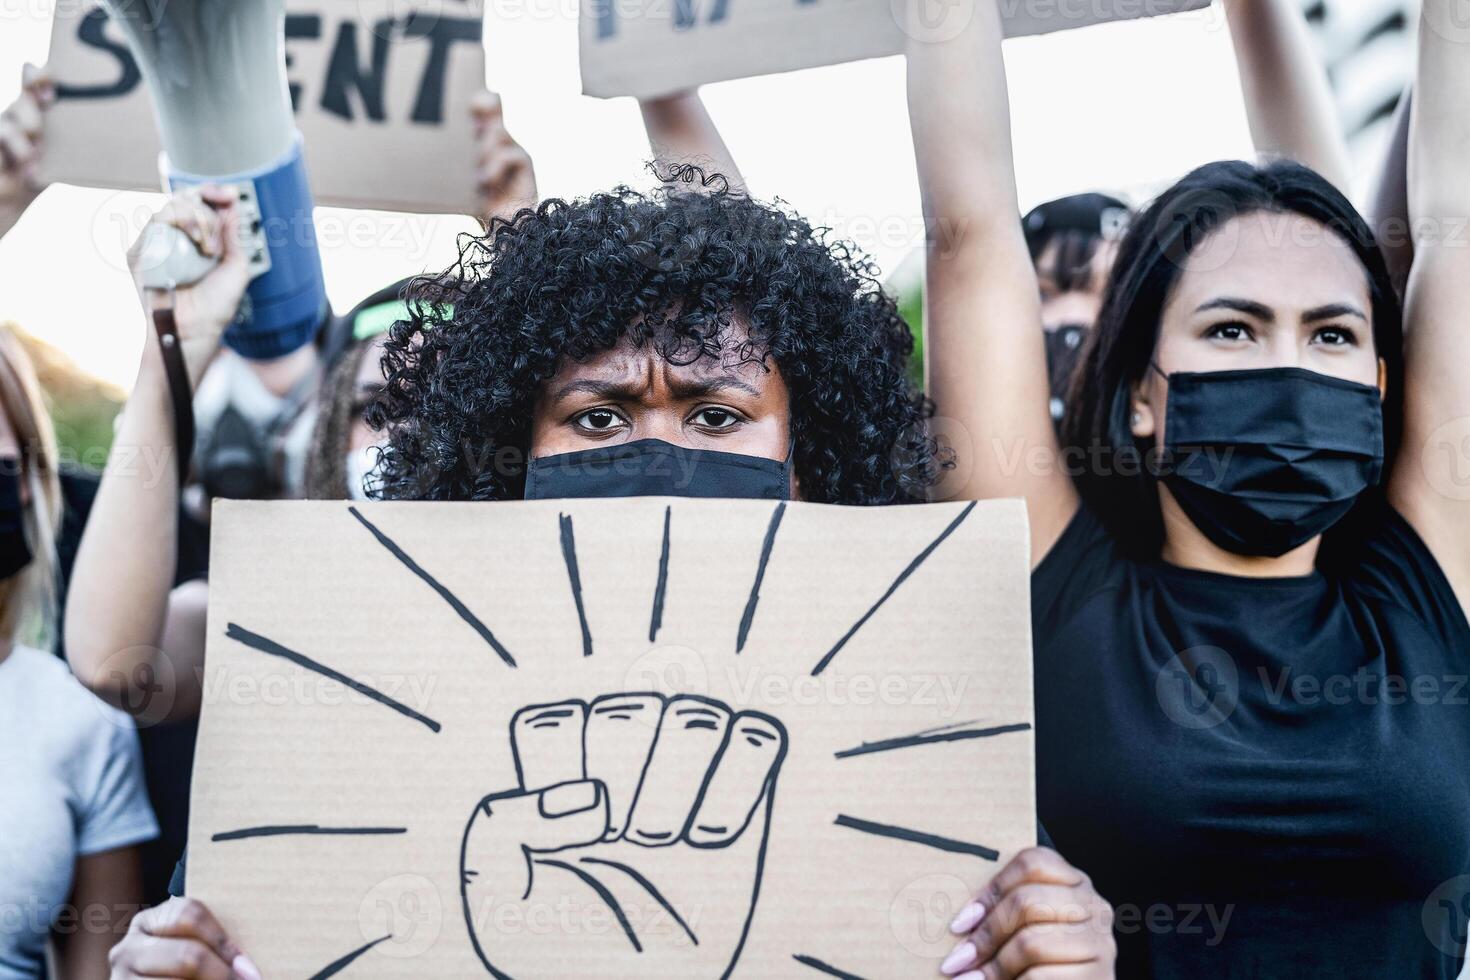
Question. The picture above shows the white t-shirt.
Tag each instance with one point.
(71, 784)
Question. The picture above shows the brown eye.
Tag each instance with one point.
(716, 418)
(599, 420)
(1229, 332)
(1336, 337)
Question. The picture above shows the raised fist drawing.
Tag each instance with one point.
(638, 833)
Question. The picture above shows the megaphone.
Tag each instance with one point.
(216, 71)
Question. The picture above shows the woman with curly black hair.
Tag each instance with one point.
(693, 331)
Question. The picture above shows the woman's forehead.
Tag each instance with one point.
(631, 360)
(1284, 261)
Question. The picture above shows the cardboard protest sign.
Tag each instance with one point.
(654, 47)
(381, 88)
(610, 738)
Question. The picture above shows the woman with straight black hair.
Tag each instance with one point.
(1251, 549)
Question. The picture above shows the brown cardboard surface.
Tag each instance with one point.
(99, 136)
(801, 799)
(655, 47)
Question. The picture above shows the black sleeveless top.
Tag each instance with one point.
(1266, 777)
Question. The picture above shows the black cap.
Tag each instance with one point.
(1091, 214)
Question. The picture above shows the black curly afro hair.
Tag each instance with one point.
(671, 269)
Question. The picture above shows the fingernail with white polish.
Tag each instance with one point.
(962, 956)
(244, 968)
(968, 918)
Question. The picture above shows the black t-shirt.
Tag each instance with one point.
(1266, 777)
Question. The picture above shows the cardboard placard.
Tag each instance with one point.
(610, 738)
(380, 88)
(655, 47)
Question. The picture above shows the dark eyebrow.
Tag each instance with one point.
(1249, 307)
(710, 386)
(612, 390)
(630, 391)
(1332, 311)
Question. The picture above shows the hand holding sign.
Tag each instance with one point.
(21, 126)
(629, 811)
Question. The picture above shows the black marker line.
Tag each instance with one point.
(902, 576)
(337, 966)
(304, 828)
(888, 744)
(659, 590)
(917, 837)
(649, 887)
(569, 553)
(821, 967)
(602, 893)
(433, 583)
(760, 573)
(257, 642)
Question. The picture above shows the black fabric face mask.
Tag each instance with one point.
(1264, 460)
(15, 551)
(654, 468)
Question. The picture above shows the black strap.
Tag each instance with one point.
(178, 388)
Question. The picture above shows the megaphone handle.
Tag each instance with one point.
(179, 389)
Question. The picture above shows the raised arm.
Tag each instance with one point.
(21, 127)
(121, 633)
(1287, 99)
(505, 177)
(680, 130)
(1429, 484)
(986, 360)
(1388, 205)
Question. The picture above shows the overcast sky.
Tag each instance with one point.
(1124, 108)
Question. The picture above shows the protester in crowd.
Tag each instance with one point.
(1230, 515)
(73, 809)
(142, 573)
(1288, 106)
(692, 322)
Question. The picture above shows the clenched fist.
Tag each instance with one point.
(638, 832)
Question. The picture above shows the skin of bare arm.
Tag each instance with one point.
(117, 613)
(1287, 99)
(982, 304)
(680, 130)
(1427, 484)
(106, 892)
(1388, 207)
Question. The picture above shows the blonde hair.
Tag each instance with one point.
(28, 598)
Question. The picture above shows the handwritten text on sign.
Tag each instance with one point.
(377, 88)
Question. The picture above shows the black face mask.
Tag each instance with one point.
(654, 468)
(15, 551)
(235, 462)
(1262, 461)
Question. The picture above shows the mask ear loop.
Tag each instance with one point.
(790, 467)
